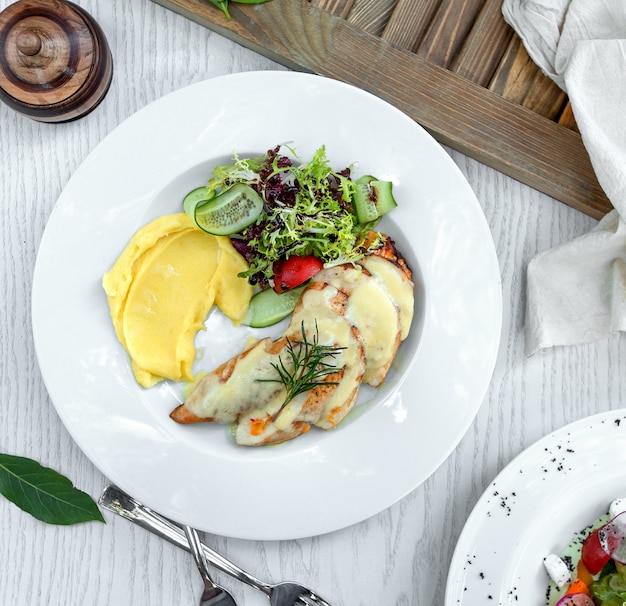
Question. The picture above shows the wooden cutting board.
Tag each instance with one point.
(454, 66)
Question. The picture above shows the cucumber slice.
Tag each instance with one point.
(229, 212)
(373, 198)
(363, 204)
(195, 197)
(268, 307)
(384, 196)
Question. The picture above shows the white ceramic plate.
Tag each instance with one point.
(533, 508)
(321, 481)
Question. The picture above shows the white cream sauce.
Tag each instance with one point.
(398, 285)
(224, 401)
(373, 312)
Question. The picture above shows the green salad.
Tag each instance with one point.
(275, 208)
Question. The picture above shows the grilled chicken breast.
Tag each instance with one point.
(332, 326)
(362, 311)
(373, 312)
(236, 387)
(246, 389)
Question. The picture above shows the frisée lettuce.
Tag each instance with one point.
(308, 210)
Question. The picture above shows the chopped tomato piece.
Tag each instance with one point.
(594, 557)
(613, 537)
(258, 426)
(578, 586)
(331, 416)
(295, 271)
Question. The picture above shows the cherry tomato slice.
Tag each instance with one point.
(594, 557)
(615, 537)
(295, 271)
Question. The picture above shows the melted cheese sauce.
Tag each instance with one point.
(399, 287)
(258, 427)
(373, 312)
(320, 307)
(290, 414)
(224, 401)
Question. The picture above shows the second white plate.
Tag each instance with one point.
(533, 508)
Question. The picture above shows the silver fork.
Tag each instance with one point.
(212, 594)
(280, 594)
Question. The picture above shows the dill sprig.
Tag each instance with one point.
(310, 366)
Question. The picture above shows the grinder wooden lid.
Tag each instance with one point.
(55, 62)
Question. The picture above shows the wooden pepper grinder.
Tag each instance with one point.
(55, 62)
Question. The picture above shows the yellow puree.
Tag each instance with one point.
(161, 289)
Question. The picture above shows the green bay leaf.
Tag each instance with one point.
(44, 493)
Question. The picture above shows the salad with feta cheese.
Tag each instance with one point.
(591, 571)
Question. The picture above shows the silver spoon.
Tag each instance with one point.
(212, 594)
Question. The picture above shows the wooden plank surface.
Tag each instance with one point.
(448, 31)
(371, 15)
(520, 80)
(477, 61)
(507, 134)
(408, 23)
(339, 8)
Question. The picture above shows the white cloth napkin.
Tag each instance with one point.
(577, 291)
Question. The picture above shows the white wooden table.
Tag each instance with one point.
(400, 556)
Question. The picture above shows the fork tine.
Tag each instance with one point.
(312, 599)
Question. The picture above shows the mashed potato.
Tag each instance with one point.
(161, 289)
